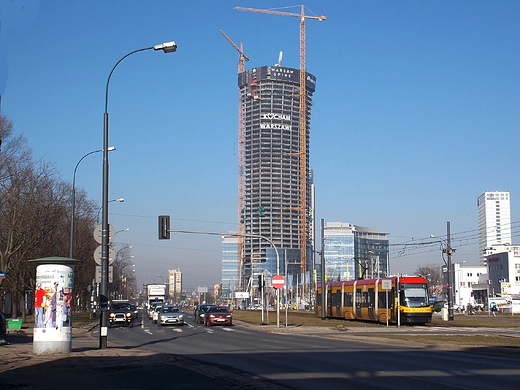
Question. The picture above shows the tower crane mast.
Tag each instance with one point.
(303, 121)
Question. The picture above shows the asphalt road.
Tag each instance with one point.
(324, 360)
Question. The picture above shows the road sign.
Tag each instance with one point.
(278, 281)
(111, 255)
(98, 233)
(386, 284)
(110, 274)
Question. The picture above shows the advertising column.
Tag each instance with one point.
(53, 305)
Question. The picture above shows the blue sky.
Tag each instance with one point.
(415, 114)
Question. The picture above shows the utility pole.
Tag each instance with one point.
(449, 251)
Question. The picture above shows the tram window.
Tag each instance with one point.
(381, 299)
(414, 295)
(348, 299)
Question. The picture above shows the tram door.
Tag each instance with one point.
(330, 304)
(371, 300)
(359, 301)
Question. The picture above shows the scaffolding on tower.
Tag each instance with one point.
(242, 58)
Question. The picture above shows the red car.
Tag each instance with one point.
(218, 315)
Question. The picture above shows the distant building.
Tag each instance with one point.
(229, 266)
(354, 252)
(175, 285)
(467, 284)
(503, 262)
(494, 221)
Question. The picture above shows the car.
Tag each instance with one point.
(218, 315)
(200, 313)
(121, 313)
(3, 324)
(135, 310)
(170, 314)
(151, 309)
(155, 312)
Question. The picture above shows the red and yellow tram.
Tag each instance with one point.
(398, 299)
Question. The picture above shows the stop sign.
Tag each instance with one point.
(278, 281)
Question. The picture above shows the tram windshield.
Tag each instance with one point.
(414, 295)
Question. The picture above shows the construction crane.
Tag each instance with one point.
(242, 58)
(303, 121)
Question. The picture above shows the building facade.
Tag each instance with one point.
(272, 172)
(494, 221)
(354, 252)
(175, 285)
(503, 262)
(230, 269)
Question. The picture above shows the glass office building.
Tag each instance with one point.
(354, 252)
(229, 266)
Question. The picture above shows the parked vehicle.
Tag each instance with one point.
(200, 312)
(121, 313)
(170, 315)
(218, 315)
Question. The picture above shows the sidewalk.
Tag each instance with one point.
(115, 367)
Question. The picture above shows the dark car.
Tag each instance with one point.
(121, 313)
(200, 312)
(3, 324)
(218, 315)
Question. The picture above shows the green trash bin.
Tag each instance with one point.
(14, 324)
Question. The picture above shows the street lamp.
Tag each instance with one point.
(168, 47)
(121, 200)
(73, 207)
(159, 276)
(449, 251)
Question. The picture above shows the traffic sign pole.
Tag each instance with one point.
(278, 281)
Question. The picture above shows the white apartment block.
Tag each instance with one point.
(494, 221)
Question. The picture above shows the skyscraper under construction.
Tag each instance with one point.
(275, 182)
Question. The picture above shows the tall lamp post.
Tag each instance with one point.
(449, 251)
(73, 207)
(168, 47)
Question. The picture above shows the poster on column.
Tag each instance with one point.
(53, 302)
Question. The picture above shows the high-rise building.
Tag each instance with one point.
(273, 172)
(354, 252)
(175, 285)
(229, 266)
(494, 221)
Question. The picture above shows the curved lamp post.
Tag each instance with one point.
(121, 200)
(73, 207)
(168, 47)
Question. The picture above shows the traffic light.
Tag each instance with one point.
(261, 211)
(164, 227)
(261, 284)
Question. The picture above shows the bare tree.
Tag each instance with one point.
(35, 218)
(124, 277)
(432, 273)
